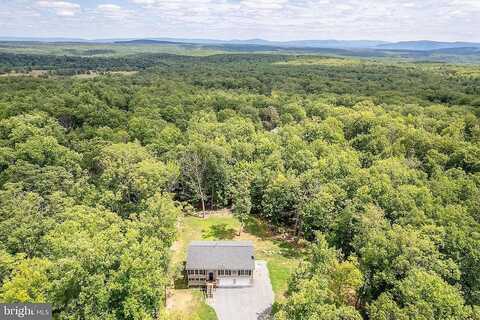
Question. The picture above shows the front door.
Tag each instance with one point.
(210, 276)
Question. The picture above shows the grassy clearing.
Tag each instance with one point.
(281, 254)
(93, 74)
(33, 73)
(189, 305)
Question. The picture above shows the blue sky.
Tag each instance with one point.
(393, 20)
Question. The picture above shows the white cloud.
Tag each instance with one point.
(113, 11)
(297, 19)
(272, 19)
(109, 7)
(147, 2)
(61, 8)
(344, 7)
(264, 4)
(474, 4)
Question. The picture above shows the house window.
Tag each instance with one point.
(244, 272)
(226, 272)
(221, 272)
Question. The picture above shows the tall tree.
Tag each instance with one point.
(194, 168)
(240, 188)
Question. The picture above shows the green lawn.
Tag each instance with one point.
(204, 311)
(189, 304)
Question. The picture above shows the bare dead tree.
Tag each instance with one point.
(195, 168)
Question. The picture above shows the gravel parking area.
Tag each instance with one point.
(251, 303)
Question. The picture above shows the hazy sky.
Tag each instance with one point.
(447, 20)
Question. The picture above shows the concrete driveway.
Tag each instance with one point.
(250, 303)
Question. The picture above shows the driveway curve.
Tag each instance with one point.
(250, 303)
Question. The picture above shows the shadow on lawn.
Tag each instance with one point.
(180, 278)
(288, 250)
(180, 283)
(220, 231)
(287, 245)
(258, 228)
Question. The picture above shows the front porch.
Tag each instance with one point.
(197, 278)
(219, 278)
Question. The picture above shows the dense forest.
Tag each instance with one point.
(375, 165)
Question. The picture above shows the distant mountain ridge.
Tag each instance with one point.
(332, 44)
(422, 45)
(426, 45)
(145, 41)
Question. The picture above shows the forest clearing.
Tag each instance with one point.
(281, 255)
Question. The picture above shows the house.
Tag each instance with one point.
(221, 263)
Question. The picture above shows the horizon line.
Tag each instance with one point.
(225, 40)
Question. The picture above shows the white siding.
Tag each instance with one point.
(234, 282)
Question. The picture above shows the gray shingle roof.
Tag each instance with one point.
(216, 255)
